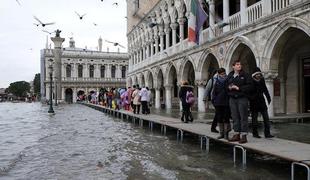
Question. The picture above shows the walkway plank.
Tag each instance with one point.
(281, 148)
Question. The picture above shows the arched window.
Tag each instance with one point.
(80, 70)
(123, 71)
(113, 71)
(91, 71)
(68, 70)
(102, 71)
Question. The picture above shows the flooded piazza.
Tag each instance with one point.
(69, 145)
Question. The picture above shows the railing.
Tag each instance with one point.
(255, 11)
(93, 79)
(235, 21)
(277, 5)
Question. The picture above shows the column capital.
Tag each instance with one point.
(270, 75)
(174, 26)
(200, 82)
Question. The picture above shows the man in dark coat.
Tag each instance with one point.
(239, 86)
(258, 104)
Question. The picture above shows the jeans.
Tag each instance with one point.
(266, 121)
(239, 113)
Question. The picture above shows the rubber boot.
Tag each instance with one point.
(235, 138)
(221, 127)
(226, 130)
(243, 139)
(255, 133)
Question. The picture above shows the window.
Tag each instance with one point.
(80, 71)
(68, 70)
(102, 71)
(113, 71)
(91, 71)
(123, 71)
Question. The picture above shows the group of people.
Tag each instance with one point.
(130, 99)
(232, 96)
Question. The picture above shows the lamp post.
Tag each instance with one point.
(51, 110)
(55, 78)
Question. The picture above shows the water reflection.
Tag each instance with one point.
(70, 145)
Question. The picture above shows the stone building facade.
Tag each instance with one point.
(271, 34)
(82, 71)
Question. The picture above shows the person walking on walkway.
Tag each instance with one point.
(208, 97)
(186, 112)
(239, 85)
(258, 103)
(136, 101)
(144, 100)
(220, 101)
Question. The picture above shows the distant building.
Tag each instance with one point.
(3, 95)
(271, 34)
(84, 71)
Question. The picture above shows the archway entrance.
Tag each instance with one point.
(173, 81)
(291, 59)
(160, 81)
(151, 87)
(246, 56)
(209, 66)
(69, 95)
(189, 73)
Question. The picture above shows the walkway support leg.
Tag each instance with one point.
(202, 138)
(180, 134)
(243, 154)
(299, 164)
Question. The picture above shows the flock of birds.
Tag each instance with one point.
(80, 16)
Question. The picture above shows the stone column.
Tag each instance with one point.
(143, 53)
(57, 52)
(211, 18)
(47, 91)
(157, 98)
(74, 95)
(97, 71)
(147, 51)
(283, 94)
(167, 31)
(226, 14)
(181, 23)
(168, 96)
(161, 34)
(152, 47)
(108, 71)
(201, 90)
(269, 77)
(156, 44)
(174, 33)
(63, 91)
(243, 7)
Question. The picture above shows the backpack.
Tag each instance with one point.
(190, 99)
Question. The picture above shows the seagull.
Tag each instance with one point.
(36, 24)
(18, 2)
(80, 16)
(115, 43)
(50, 33)
(95, 24)
(116, 4)
(43, 24)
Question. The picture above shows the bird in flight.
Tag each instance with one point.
(80, 16)
(18, 2)
(115, 43)
(116, 4)
(95, 24)
(43, 24)
(36, 24)
(50, 33)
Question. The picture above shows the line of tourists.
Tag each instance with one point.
(232, 95)
(130, 99)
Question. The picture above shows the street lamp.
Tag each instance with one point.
(50, 67)
(55, 79)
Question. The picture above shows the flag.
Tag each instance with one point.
(196, 19)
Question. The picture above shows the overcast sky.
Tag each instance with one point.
(21, 40)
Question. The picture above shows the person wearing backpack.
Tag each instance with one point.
(220, 100)
(208, 96)
(184, 95)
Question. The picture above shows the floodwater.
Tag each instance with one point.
(69, 145)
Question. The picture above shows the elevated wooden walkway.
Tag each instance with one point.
(295, 152)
